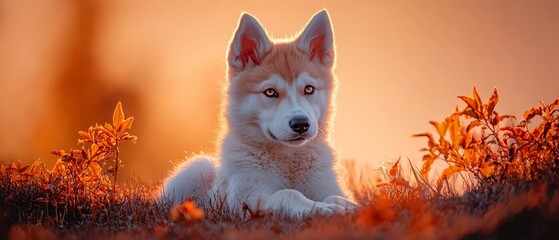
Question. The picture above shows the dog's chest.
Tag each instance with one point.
(294, 167)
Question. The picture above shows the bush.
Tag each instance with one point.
(490, 147)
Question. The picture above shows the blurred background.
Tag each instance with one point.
(65, 64)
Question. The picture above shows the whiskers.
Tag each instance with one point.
(322, 132)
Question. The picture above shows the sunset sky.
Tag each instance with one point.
(65, 64)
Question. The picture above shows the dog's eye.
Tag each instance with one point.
(309, 89)
(270, 92)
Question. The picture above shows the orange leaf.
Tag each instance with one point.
(118, 115)
(492, 102)
(95, 170)
(448, 172)
(529, 114)
(486, 170)
(129, 137)
(93, 150)
(554, 104)
(440, 127)
(109, 128)
(186, 212)
(477, 99)
(470, 102)
(58, 167)
(467, 140)
(84, 134)
(431, 142)
(455, 131)
(126, 125)
(426, 167)
(468, 112)
(472, 125)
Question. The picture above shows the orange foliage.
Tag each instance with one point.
(489, 146)
(78, 173)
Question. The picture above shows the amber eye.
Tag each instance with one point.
(309, 89)
(270, 92)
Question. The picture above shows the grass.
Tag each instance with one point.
(512, 193)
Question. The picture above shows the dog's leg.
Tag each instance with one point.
(294, 204)
(321, 185)
(341, 201)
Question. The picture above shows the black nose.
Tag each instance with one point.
(299, 124)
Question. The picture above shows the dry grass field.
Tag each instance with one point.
(508, 166)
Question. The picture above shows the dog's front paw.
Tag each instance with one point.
(327, 209)
(347, 205)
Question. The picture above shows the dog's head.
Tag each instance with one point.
(281, 91)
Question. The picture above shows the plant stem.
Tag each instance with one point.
(117, 160)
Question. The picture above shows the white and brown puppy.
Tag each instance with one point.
(275, 152)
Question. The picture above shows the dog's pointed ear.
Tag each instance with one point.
(317, 39)
(249, 44)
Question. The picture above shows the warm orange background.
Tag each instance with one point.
(65, 64)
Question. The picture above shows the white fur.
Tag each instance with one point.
(191, 178)
(261, 163)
